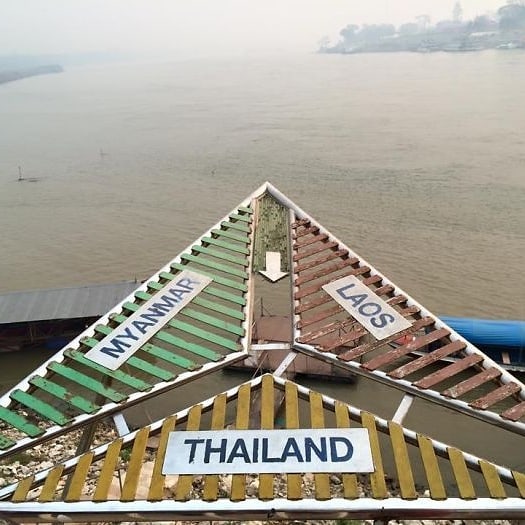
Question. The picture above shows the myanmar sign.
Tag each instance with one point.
(117, 347)
(378, 317)
(268, 451)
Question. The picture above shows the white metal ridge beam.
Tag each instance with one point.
(277, 509)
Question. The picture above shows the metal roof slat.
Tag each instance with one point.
(305, 231)
(231, 235)
(156, 487)
(377, 478)
(499, 394)
(213, 321)
(310, 290)
(219, 308)
(109, 466)
(169, 357)
(448, 371)
(341, 340)
(220, 255)
(320, 316)
(79, 402)
(235, 226)
(119, 375)
(74, 491)
(461, 474)
(211, 481)
(151, 349)
(431, 466)
(318, 237)
(239, 217)
(182, 491)
(293, 481)
(514, 413)
(354, 353)
(492, 479)
(472, 382)
(267, 423)
(194, 348)
(245, 209)
(199, 316)
(402, 461)
(325, 270)
(226, 245)
(346, 324)
(322, 481)
(87, 382)
(519, 479)
(22, 489)
(204, 334)
(209, 290)
(131, 481)
(342, 418)
(51, 484)
(427, 359)
(242, 422)
(314, 251)
(214, 265)
(396, 353)
(229, 283)
(6, 442)
(19, 422)
(336, 254)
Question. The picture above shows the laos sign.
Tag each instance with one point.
(268, 451)
(378, 317)
(117, 347)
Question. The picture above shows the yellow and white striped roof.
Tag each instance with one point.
(414, 475)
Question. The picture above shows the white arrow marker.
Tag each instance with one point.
(273, 267)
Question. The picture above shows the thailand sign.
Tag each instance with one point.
(378, 317)
(268, 451)
(117, 347)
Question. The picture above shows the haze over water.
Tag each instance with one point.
(416, 161)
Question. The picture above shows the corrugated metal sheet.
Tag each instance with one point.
(62, 303)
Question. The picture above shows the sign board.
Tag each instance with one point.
(268, 451)
(378, 317)
(117, 347)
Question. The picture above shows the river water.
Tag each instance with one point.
(416, 161)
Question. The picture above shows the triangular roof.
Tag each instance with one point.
(413, 475)
(211, 327)
(211, 332)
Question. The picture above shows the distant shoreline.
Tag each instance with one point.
(18, 74)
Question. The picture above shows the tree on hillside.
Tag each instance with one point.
(375, 32)
(457, 13)
(512, 16)
(410, 28)
(483, 23)
(349, 33)
(423, 22)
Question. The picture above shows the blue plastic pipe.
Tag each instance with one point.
(485, 332)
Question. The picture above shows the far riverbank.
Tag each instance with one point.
(17, 74)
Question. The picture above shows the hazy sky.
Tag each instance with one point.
(184, 28)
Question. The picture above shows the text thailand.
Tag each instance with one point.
(277, 451)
